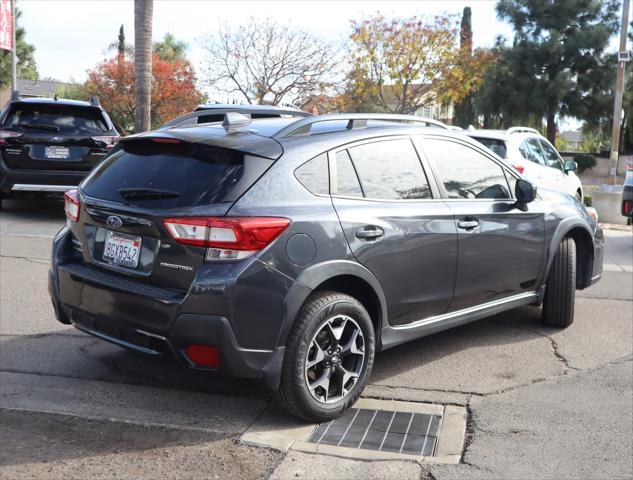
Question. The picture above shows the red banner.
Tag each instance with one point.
(6, 25)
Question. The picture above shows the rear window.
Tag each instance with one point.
(497, 146)
(189, 174)
(65, 119)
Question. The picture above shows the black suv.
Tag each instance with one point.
(49, 144)
(293, 249)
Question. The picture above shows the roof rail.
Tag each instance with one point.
(512, 130)
(15, 95)
(94, 101)
(189, 119)
(354, 121)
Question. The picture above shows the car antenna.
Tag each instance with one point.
(55, 97)
(233, 120)
(94, 100)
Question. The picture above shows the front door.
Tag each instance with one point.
(500, 244)
(395, 227)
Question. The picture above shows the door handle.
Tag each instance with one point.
(369, 232)
(468, 224)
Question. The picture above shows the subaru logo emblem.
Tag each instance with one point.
(57, 139)
(114, 222)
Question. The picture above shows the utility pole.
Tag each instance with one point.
(14, 51)
(623, 55)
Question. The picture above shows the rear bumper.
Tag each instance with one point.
(12, 180)
(155, 320)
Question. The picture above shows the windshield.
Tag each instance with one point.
(170, 176)
(66, 119)
(497, 146)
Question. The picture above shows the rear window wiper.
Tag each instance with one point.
(38, 126)
(140, 192)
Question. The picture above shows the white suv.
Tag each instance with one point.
(533, 156)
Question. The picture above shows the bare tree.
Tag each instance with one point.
(143, 11)
(265, 61)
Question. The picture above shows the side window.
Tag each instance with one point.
(530, 150)
(314, 175)
(347, 183)
(465, 172)
(390, 170)
(512, 181)
(551, 157)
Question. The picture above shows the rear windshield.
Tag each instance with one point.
(188, 175)
(66, 119)
(497, 146)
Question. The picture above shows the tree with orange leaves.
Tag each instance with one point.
(173, 90)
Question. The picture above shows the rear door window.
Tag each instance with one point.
(551, 157)
(531, 150)
(69, 120)
(390, 170)
(188, 175)
(465, 172)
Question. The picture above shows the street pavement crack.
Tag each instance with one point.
(556, 351)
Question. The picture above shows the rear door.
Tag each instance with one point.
(127, 198)
(396, 226)
(537, 170)
(500, 244)
(56, 137)
(556, 169)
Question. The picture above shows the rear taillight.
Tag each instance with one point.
(518, 168)
(627, 207)
(4, 134)
(109, 140)
(72, 205)
(227, 238)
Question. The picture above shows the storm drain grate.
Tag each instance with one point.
(382, 430)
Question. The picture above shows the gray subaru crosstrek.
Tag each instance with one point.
(291, 250)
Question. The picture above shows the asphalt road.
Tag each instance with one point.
(543, 403)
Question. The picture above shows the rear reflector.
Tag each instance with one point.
(519, 168)
(204, 356)
(227, 238)
(72, 205)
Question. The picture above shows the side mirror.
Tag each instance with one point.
(524, 191)
(570, 166)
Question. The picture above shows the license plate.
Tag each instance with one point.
(56, 152)
(121, 249)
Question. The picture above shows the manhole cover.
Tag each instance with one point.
(381, 430)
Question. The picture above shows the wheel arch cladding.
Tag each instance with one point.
(346, 277)
(582, 237)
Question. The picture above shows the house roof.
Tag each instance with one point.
(38, 88)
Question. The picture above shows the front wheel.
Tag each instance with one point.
(329, 357)
(560, 289)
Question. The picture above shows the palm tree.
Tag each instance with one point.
(143, 10)
(170, 49)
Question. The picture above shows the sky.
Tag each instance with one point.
(72, 36)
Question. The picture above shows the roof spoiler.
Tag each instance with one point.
(15, 95)
(94, 101)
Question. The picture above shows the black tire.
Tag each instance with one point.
(560, 290)
(294, 393)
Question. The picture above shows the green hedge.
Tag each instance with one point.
(585, 161)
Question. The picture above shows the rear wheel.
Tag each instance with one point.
(329, 357)
(560, 290)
